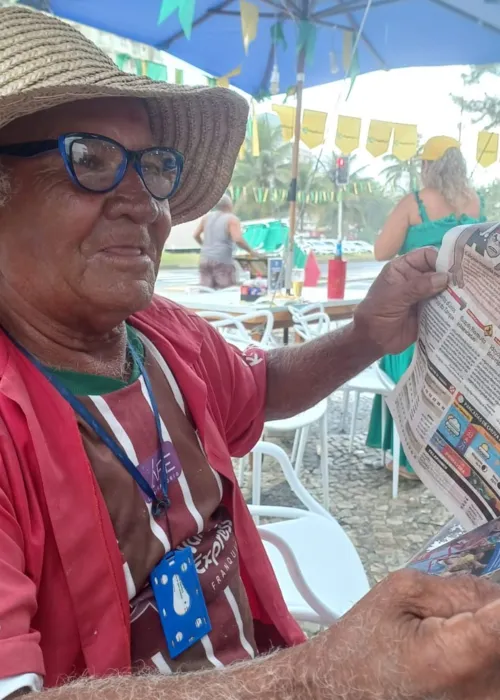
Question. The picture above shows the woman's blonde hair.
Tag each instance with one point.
(448, 175)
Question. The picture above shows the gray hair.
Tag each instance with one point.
(225, 202)
(448, 175)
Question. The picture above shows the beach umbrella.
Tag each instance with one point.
(266, 47)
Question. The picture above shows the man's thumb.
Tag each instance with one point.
(425, 286)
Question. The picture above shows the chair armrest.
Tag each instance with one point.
(281, 512)
(297, 576)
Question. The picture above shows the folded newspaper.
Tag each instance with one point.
(447, 405)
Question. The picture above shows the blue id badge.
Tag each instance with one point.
(180, 602)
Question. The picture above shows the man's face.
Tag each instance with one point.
(74, 255)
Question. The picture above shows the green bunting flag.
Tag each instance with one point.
(185, 10)
(278, 35)
(307, 39)
(279, 196)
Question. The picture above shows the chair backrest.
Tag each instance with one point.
(233, 328)
(267, 449)
(310, 325)
(384, 378)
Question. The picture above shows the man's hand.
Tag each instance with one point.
(414, 636)
(388, 316)
(384, 323)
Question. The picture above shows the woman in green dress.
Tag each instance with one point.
(422, 219)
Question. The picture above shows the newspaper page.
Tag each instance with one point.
(476, 553)
(447, 405)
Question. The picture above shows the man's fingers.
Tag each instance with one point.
(424, 286)
(420, 260)
(488, 617)
(434, 597)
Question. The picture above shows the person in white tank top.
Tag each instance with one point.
(217, 233)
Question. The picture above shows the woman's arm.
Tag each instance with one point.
(393, 233)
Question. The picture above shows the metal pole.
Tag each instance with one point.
(292, 193)
(340, 211)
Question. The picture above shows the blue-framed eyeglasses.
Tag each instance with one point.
(98, 164)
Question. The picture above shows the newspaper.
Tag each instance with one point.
(476, 553)
(447, 405)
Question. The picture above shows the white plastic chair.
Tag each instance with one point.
(318, 568)
(301, 424)
(374, 381)
(310, 321)
(234, 330)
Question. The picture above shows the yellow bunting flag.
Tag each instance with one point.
(287, 119)
(487, 148)
(405, 141)
(249, 19)
(379, 135)
(223, 81)
(313, 128)
(348, 133)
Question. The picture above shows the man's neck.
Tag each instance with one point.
(87, 351)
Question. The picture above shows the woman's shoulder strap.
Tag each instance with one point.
(421, 208)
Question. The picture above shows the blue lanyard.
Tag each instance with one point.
(159, 505)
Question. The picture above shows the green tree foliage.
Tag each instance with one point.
(487, 108)
(491, 196)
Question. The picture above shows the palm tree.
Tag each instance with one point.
(355, 199)
(267, 171)
(401, 175)
(271, 168)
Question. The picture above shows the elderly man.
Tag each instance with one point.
(125, 543)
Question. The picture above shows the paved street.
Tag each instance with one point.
(359, 276)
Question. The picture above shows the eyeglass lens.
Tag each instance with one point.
(98, 164)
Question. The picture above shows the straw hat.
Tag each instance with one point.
(436, 147)
(45, 62)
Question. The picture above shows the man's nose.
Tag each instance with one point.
(132, 199)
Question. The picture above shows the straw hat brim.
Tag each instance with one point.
(59, 65)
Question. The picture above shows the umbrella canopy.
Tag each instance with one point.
(397, 33)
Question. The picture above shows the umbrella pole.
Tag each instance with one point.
(292, 193)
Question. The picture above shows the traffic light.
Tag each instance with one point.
(342, 171)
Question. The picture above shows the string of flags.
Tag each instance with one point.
(249, 18)
(400, 139)
(404, 137)
(280, 196)
(312, 129)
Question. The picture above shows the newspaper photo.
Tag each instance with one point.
(447, 405)
(476, 553)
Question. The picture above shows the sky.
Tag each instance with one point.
(409, 95)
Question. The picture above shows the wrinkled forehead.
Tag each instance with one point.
(124, 119)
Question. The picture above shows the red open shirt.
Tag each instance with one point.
(63, 601)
